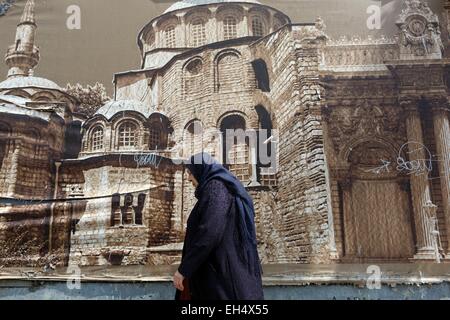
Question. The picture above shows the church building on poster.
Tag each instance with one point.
(361, 125)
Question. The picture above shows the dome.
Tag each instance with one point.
(192, 3)
(25, 82)
(113, 107)
(176, 33)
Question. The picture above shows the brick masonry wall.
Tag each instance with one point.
(269, 225)
(210, 105)
(302, 190)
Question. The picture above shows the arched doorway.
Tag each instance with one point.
(261, 75)
(235, 146)
(377, 215)
(266, 164)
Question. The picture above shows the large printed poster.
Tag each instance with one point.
(333, 114)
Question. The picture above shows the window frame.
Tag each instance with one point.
(260, 20)
(92, 140)
(170, 38)
(198, 37)
(119, 136)
(155, 128)
(228, 32)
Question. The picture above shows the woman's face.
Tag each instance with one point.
(192, 179)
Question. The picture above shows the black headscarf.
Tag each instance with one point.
(205, 168)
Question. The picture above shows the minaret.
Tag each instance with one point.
(447, 21)
(23, 56)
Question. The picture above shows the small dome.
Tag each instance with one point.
(192, 3)
(111, 108)
(25, 82)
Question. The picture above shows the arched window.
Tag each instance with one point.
(229, 28)
(169, 37)
(198, 33)
(97, 139)
(261, 74)
(127, 135)
(235, 146)
(158, 132)
(266, 149)
(193, 77)
(229, 73)
(44, 96)
(42, 99)
(257, 27)
(193, 141)
(19, 93)
(155, 141)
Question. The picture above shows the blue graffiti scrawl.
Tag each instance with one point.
(5, 5)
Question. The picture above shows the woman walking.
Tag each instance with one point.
(220, 259)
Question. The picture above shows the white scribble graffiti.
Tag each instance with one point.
(411, 167)
(146, 159)
(417, 166)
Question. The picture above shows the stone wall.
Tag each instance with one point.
(95, 240)
(27, 173)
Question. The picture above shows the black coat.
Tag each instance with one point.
(212, 252)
